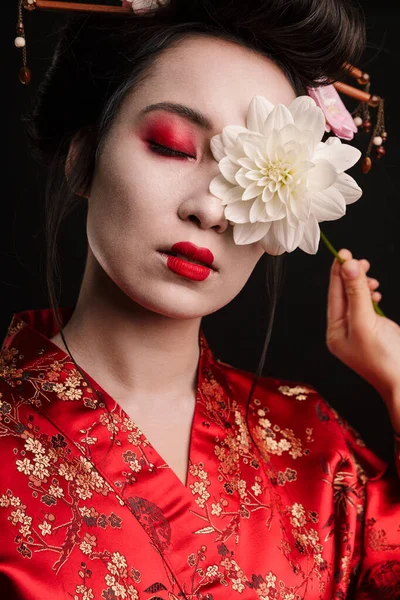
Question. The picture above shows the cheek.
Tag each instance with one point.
(247, 257)
(243, 263)
(125, 193)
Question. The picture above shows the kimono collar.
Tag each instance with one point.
(42, 326)
(27, 356)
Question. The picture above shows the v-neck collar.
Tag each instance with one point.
(30, 332)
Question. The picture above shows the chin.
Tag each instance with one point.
(176, 304)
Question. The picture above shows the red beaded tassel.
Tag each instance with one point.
(25, 74)
(362, 118)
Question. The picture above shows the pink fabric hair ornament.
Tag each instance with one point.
(338, 118)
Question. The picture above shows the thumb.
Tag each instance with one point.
(357, 292)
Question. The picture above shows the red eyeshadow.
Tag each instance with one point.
(170, 132)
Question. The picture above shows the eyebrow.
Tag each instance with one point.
(192, 115)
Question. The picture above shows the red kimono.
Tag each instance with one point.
(286, 505)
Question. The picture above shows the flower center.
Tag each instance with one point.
(279, 172)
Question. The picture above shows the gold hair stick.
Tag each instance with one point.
(58, 5)
(353, 92)
(362, 77)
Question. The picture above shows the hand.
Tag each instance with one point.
(363, 340)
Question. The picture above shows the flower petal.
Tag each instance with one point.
(284, 193)
(307, 140)
(248, 163)
(250, 148)
(312, 234)
(257, 210)
(228, 169)
(274, 209)
(296, 152)
(328, 205)
(290, 133)
(219, 186)
(267, 194)
(254, 175)
(342, 156)
(250, 136)
(238, 212)
(234, 153)
(349, 189)
(288, 237)
(234, 195)
(259, 109)
(274, 142)
(270, 244)
(261, 162)
(300, 204)
(292, 146)
(303, 166)
(230, 134)
(252, 191)
(300, 105)
(249, 233)
(312, 119)
(277, 119)
(241, 179)
(322, 176)
(217, 147)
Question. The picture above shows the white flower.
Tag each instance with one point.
(278, 180)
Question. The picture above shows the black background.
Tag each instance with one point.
(297, 352)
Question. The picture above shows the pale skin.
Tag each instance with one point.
(136, 324)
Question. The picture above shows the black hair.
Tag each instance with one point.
(99, 58)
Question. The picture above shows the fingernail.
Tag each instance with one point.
(351, 268)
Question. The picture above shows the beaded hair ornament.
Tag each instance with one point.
(338, 119)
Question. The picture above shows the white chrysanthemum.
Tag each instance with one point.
(278, 180)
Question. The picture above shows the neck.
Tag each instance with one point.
(131, 352)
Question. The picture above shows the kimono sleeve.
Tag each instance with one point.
(379, 525)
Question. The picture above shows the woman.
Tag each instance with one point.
(137, 464)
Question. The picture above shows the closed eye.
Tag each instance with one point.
(164, 150)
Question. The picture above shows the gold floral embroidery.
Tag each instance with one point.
(199, 488)
(300, 392)
(287, 441)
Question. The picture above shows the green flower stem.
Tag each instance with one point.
(378, 310)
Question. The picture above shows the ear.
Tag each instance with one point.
(74, 153)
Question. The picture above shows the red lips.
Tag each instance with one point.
(193, 252)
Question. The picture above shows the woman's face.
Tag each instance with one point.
(143, 202)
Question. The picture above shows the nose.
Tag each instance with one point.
(201, 206)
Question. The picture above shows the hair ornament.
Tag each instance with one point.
(345, 124)
(339, 120)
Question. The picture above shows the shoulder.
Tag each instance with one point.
(293, 414)
(290, 398)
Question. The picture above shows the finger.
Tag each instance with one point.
(366, 265)
(361, 310)
(373, 284)
(345, 254)
(376, 296)
(337, 301)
